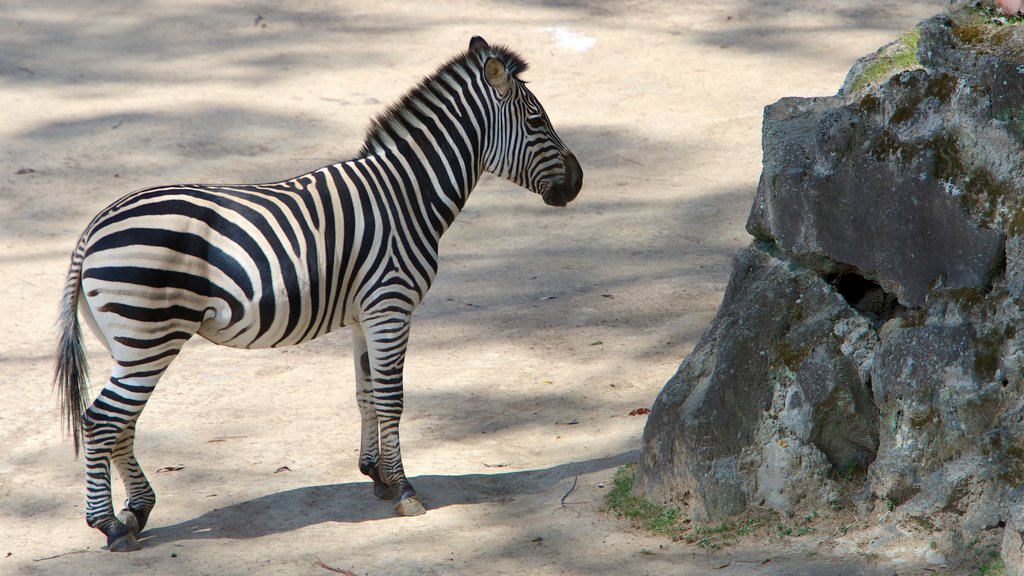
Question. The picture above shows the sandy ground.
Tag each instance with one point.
(540, 317)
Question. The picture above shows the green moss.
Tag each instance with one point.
(948, 164)
(903, 56)
(905, 111)
(869, 104)
(914, 318)
(886, 145)
(986, 194)
(983, 30)
(1013, 120)
(973, 25)
(791, 357)
(966, 298)
(919, 420)
(1000, 37)
(994, 202)
(988, 351)
(1013, 465)
(944, 148)
(985, 364)
(923, 523)
(941, 87)
(970, 32)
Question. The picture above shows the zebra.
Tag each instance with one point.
(277, 264)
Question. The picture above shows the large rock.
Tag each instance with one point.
(711, 410)
(831, 189)
(869, 335)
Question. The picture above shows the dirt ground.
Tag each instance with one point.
(546, 326)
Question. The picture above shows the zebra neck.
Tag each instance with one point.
(434, 181)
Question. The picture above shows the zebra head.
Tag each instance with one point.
(523, 146)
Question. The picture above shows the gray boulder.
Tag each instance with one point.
(869, 335)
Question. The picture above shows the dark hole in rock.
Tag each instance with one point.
(867, 297)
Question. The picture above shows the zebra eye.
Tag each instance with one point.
(535, 120)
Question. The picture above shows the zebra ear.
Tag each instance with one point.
(478, 43)
(497, 75)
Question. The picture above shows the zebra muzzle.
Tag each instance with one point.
(564, 189)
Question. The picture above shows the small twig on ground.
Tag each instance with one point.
(566, 505)
(321, 564)
(174, 468)
(224, 439)
(82, 551)
(731, 562)
(574, 480)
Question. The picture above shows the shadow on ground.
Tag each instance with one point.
(354, 502)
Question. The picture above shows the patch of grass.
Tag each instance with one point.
(641, 512)
(670, 521)
(899, 57)
(984, 30)
(994, 568)
(795, 527)
(985, 549)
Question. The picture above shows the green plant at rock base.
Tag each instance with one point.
(670, 521)
(902, 56)
(986, 561)
(997, 568)
(643, 513)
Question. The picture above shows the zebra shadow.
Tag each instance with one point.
(354, 502)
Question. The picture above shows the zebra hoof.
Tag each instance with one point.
(126, 543)
(121, 537)
(410, 507)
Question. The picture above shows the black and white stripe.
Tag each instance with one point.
(276, 264)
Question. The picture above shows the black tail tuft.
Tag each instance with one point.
(71, 369)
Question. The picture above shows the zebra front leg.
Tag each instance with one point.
(386, 341)
(369, 445)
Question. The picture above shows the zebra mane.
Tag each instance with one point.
(469, 62)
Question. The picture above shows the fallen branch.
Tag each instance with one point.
(321, 564)
(63, 554)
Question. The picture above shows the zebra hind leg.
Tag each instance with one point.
(109, 430)
(140, 498)
(102, 433)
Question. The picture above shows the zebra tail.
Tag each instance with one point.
(71, 369)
